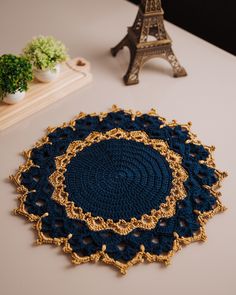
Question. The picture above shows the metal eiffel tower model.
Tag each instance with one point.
(146, 39)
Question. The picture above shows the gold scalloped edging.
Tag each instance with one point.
(140, 257)
(102, 255)
(122, 227)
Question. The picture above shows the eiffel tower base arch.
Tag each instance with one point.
(149, 22)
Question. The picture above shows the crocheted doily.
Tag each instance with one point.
(121, 187)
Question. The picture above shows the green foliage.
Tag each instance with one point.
(15, 73)
(45, 52)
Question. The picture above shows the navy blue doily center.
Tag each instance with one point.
(118, 179)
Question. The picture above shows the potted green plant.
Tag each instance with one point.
(15, 74)
(45, 53)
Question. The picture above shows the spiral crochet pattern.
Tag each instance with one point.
(121, 187)
(108, 180)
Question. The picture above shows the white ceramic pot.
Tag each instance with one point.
(48, 75)
(13, 98)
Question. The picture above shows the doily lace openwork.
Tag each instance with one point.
(121, 187)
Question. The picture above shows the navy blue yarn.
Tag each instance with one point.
(118, 179)
(84, 241)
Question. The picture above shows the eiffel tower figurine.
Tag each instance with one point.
(146, 39)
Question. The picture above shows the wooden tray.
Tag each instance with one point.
(74, 74)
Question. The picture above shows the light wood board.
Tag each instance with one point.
(40, 95)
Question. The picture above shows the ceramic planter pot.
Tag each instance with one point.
(13, 98)
(48, 75)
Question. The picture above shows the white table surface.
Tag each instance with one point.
(207, 97)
